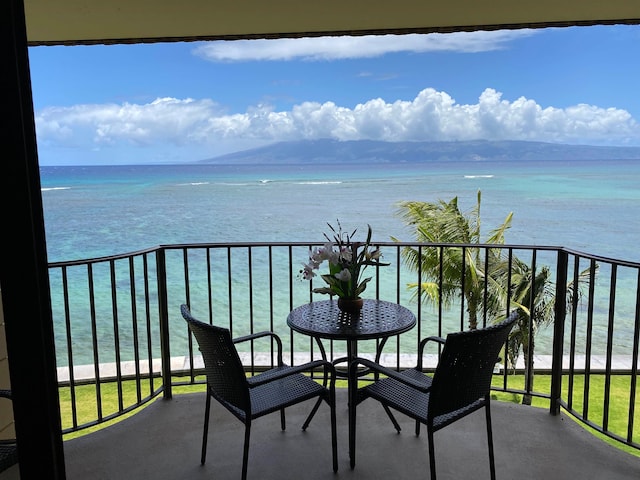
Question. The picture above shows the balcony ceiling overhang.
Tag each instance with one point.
(77, 22)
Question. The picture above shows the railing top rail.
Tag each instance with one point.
(107, 258)
(599, 258)
(182, 246)
(382, 243)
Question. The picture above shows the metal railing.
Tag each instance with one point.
(120, 339)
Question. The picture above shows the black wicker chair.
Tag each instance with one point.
(252, 397)
(460, 385)
(8, 447)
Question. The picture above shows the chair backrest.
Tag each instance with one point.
(464, 371)
(225, 373)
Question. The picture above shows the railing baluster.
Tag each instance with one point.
(134, 325)
(250, 295)
(230, 284)
(290, 285)
(67, 322)
(463, 271)
(505, 377)
(116, 331)
(589, 338)
(163, 317)
(485, 290)
(271, 302)
(187, 296)
(607, 375)
(209, 285)
(634, 365)
(574, 328)
(94, 341)
(532, 315)
(440, 286)
(147, 307)
(558, 332)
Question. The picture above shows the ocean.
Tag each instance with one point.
(96, 211)
(102, 210)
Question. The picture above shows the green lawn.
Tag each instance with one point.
(618, 411)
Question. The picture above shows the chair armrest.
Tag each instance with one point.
(276, 374)
(254, 336)
(422, 346)
(353, 366)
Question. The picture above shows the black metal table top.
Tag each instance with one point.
(378, 319)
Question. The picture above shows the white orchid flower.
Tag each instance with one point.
(344, 275)
(374, 255)
(346, 254)
(334, 258)
(308, 271)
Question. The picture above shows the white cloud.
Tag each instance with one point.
(340, 48)
(200, 125)
(164, 118)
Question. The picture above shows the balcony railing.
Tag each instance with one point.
(120, 336)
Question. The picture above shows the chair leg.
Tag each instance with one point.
(432, 455)
(352, 430)
(334, 437)
(396, 425)
(205, 430)
(492, 465)
(245, 453)
(311, 414)
(283, 420)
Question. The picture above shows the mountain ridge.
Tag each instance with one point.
(327, 151)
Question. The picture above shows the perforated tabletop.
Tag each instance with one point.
(377, 319)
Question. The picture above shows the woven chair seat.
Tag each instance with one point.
(273, 396)
(459, 386)
(252, 397)
(414, 403)
(8, 456)
(401, 397)
(8, 448)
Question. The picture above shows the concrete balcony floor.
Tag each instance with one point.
(163, 441)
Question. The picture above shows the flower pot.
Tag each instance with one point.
(350, 305)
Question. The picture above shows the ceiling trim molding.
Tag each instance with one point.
(89, 22)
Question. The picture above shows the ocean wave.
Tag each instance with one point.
(47, 189)
(194, 183)
(478, 176)
(320, 182)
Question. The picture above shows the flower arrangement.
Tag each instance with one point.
(347, 262)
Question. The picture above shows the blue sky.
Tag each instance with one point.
(184, 102)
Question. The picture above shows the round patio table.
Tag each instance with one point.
(378, 319)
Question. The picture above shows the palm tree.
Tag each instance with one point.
(533, 294)
(486, 282)
(450, 271)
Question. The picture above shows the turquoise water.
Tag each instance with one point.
(97, 211)
(94, 211)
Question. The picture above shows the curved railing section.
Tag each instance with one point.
(121, 342)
